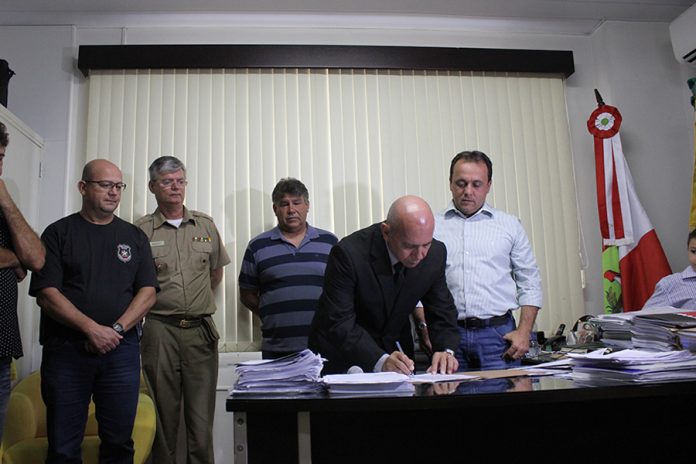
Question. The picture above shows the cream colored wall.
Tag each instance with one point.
(631, 63)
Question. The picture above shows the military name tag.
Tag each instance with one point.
(157, 243)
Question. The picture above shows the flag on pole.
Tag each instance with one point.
(692, 217)
(632, 259)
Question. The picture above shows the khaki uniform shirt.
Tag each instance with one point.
(184, 258)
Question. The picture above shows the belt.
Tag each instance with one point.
(181, 322)
(476, 323)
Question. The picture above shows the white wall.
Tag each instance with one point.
(631, 63)
(41, 95)
(647, 86)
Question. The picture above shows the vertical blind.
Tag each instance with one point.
(358, 139)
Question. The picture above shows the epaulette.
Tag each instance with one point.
(143, 220)
(199, 214)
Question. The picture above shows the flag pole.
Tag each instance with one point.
(633, 260)
(600, 101)
(611, 280)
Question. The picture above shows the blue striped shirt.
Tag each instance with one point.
(289, 281)
(490, 263)
(677, 290)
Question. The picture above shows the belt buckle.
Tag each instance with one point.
(184, 324)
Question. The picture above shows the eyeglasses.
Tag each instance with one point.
(107, 185)
(169, 183)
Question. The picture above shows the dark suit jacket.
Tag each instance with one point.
(361, 315)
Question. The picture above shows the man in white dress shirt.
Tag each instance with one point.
(491, 270)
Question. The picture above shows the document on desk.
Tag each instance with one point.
(680, 320)
(369, 384)
(435, 378)
(645, 375)
(617, 328)
(294, 374)
(633, 366)
(504, 373)
(605, 357)
(687, 339)
(563, 363)
(660, 331)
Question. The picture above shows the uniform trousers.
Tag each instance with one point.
(181, 365)
(71, 377)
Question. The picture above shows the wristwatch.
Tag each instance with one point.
(422, 325)
(118, 328)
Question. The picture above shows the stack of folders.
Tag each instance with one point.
(661, 331)
(603, 367)
(687, 338)
(648, 328)
(615, 329)
(369, 384)
(291, 375)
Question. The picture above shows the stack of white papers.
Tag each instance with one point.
(687, 339)
(615, 329)
(563, 364)
(633, 366)
(646, 335)
(369, 384)
(659, 331)
(290, 375)
(438, 378)
(642, 329)
(385, 383)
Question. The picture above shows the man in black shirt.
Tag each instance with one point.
(97, 284)
(20, 249)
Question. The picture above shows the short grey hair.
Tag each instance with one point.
(164, 165)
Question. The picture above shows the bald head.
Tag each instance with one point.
(93, 168)
(99, 201)
(410, 211)
(408, 230)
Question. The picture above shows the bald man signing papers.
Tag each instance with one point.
(373, 280)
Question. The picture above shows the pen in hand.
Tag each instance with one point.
(398, 346)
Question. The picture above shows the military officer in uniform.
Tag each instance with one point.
(179, 345)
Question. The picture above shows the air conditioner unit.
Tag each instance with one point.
(683, 33)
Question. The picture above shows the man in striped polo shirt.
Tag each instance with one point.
(283, 272)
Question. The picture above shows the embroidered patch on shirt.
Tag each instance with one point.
(123, 252)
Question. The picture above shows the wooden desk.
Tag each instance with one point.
(521, 419)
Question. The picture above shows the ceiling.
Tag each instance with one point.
(580, 16)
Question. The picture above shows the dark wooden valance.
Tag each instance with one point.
(94, 57)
